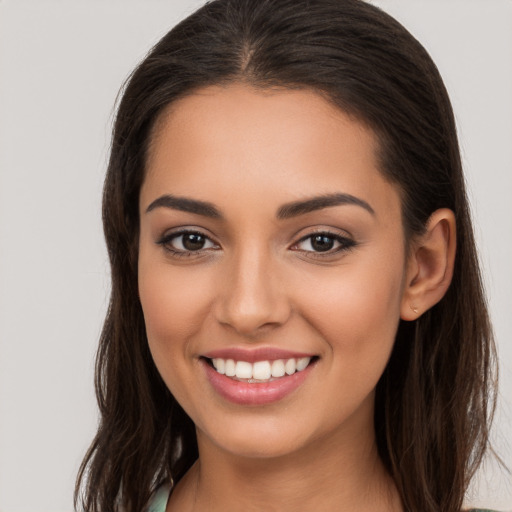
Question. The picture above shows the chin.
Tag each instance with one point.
(255, 438)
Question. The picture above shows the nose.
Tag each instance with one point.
(252, 298)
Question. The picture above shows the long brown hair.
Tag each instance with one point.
(436, 396)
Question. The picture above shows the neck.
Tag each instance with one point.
(338, 473)
(296, 483)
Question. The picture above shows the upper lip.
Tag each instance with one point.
(255, 354)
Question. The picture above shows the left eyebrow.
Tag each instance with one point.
(302, 207)
(185, 204)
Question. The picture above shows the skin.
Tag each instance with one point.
(258, 282)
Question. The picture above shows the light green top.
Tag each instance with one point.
(161, 497)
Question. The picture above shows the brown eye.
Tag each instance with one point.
(193, 241)
(321, 243)
(318, 243)
(187, 242)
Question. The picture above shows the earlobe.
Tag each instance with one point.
(430, 265)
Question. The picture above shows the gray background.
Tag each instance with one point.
(61, 65)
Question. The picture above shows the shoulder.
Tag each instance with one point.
(158, 501)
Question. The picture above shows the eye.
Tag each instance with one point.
(324, 243)
(186, 242)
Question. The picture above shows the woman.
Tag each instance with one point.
(297, 319)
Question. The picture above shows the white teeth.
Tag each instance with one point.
(243, 370)
(290, 366)
(260, 370)
(302, 363)
(278, 368)
(219, 365)
(229, 368)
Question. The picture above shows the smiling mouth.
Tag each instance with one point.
(259, 371)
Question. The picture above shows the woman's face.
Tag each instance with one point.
(271, 247)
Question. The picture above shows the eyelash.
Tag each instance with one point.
(345, 244)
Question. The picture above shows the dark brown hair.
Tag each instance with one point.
(436, 396)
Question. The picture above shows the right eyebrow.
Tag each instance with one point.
(185, 204)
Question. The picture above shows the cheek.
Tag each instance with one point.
(173, 303)
(171, 299)
(173, 307)
(357, 311)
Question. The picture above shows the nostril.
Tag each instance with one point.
(251, 317)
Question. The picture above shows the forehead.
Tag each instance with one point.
(225, 139)
(257, 115)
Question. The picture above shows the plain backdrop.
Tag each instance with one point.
(61, 65)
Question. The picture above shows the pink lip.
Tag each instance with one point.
(245, 393)
(255, 354)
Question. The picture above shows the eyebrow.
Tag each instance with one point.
(185, 204)
(287, 211)
(302, 207)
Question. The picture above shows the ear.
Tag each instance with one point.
(430, 265)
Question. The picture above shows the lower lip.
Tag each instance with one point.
(245, 393)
